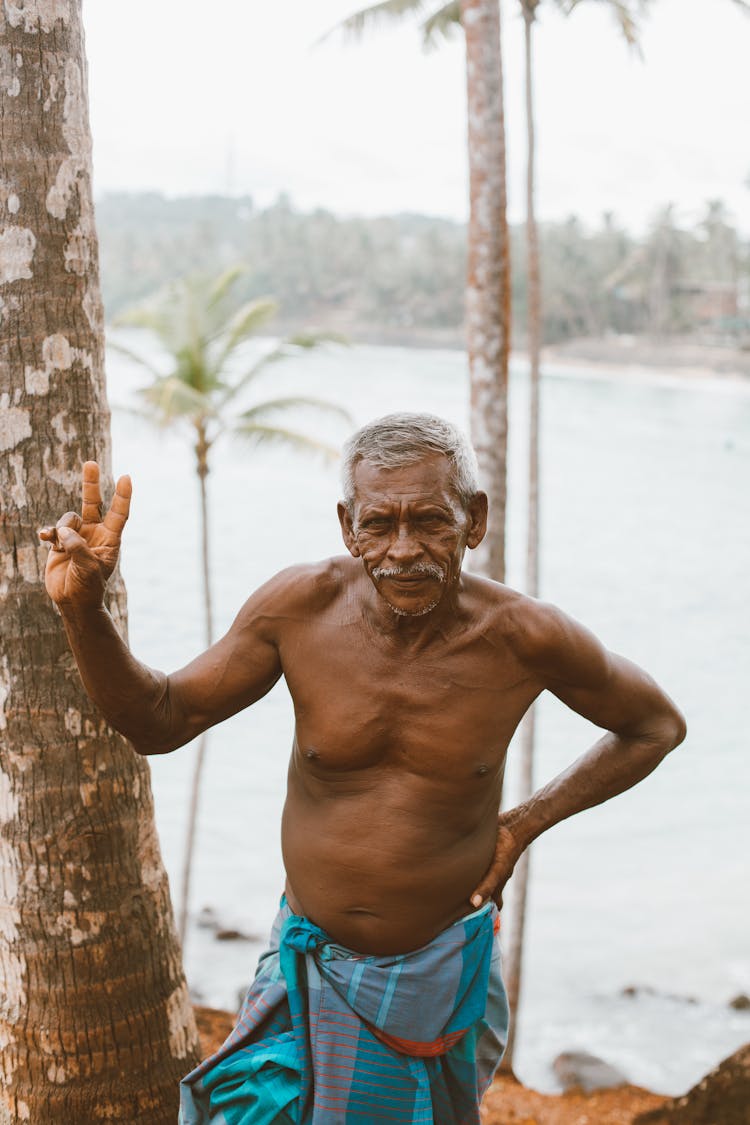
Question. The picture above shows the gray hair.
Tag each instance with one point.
(402, 439)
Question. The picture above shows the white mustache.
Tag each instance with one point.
(430, 569)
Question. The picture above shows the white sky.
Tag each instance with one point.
(189, 97)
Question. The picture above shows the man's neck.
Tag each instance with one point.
(413, 631)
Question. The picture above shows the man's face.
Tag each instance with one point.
(411, 530)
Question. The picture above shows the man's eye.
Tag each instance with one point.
(375, 523)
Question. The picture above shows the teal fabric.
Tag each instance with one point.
(327, 1036)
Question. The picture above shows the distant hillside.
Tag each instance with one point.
(401, 277)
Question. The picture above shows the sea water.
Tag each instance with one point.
(645, 538)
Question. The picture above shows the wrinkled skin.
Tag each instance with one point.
(408, 679)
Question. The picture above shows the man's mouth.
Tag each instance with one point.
(408, 576)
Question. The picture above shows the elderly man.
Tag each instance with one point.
(380, 998)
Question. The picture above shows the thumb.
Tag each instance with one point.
(75, 545)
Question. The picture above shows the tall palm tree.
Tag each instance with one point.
(626, 12)
(95, 1020)
(488, 278)
(198, 325)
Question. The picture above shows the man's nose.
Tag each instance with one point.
(404, 546)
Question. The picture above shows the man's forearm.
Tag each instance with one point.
(132, 697)
(612, 765)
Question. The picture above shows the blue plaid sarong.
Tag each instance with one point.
(326, 1036)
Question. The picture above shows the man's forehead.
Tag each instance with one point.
(429, 477)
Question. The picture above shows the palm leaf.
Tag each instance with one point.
(355, 26)
(441, 24)
(150, 316)
(626, 12)
(245, 322)
(134, 357)
(293, 402)
(257, 434)
(171, 398)
(285, 350)
(219, 288)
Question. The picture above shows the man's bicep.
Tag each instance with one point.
(605, 688)
(237, 670)
(626, 700)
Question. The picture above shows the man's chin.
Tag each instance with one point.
(412, 610)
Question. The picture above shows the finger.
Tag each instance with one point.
(482, 893)
(119, 509)
(70, 519)
(91, 503)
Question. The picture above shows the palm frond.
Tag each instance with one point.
(441, 24)
(626, 12)
(245, 322)
(221, 285)
(257, 434)
(136, 412)
(149, 315)
(173, 399)
(134, 357)
(267, 409)
(357, 25)
(285, 350)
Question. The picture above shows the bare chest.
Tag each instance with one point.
(358, 705)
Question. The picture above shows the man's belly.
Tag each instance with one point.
(380, 877)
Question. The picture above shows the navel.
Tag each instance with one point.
(482, 770)
(311, 754)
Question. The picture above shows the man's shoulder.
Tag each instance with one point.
(308, 586)
(531, 627)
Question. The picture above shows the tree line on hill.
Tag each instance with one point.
(402, 277)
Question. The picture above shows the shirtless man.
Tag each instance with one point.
(408, 678)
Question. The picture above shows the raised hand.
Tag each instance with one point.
(84, 548)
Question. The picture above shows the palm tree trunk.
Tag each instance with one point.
(488, 279)
(95, 1020)
(519, 888)
(201, 450)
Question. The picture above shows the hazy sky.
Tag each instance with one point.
(192, 97)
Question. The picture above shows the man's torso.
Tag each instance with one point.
(398, 758)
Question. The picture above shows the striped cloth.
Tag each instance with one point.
(327, 1036)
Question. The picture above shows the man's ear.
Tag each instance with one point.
(477, 511)
(347, 529)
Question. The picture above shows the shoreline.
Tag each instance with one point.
(630, 356)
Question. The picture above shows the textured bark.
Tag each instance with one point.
(519, 888)
(95, 1022)
(488, 280)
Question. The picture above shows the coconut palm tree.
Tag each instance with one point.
(488, 277)
(202, 331)
(95, 1019)
(626, 13)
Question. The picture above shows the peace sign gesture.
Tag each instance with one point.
(84, 548)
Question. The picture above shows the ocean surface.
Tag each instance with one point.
(645, 538)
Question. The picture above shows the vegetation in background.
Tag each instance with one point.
(401, 278)
(198, 324)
